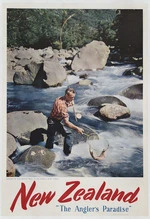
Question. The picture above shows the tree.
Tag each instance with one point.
(59, 28)
(129, 26)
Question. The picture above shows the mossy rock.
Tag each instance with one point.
(38, 155)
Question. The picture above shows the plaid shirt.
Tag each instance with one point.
(60, 108)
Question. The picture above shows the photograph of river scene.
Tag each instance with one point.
(98, 53)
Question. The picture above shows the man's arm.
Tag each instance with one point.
(72, 126)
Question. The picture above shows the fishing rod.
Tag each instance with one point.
(93, 136)
(76, 115)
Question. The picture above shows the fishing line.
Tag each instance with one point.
(91, 137)
(76, 115)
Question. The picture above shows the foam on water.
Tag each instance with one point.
(124, 157)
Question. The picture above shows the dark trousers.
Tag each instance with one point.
(56, 126)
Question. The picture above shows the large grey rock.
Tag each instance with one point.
(11, 144)
(10, 75)
(113, 112)
(11, 54)
(23, 77)
(18, 59)
(47, 53)
(50, 74)
(40, 78)
(27, 74)
(39, 156)
(23, 62)
(93, 56)
(133, 92)
(22, 123)
(99, 101)
(23, 53)
(66, 54)
(55, 73)
(10, 169)
(36, 55)
(11, 63)
(34, 67)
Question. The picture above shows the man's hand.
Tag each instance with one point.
(72, 126)
(80, 130)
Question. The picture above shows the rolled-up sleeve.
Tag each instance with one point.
(64, 112)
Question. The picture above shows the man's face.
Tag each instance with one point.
(70, 96)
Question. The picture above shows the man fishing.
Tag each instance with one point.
(58, 121)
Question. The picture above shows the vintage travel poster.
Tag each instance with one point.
(74, 108)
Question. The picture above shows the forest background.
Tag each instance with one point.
(121, 30)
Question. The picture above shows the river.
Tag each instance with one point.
(124, 157)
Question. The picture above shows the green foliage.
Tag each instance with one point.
(40, 28)
(66, 28)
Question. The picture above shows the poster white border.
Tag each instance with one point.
(109, 4)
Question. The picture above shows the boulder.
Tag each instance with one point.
(47, 53)
(128, 72)
(10, 75)
(18, 59)
(39, 156)
(23, 62)
(65, 54)
(133, 92)
(55, 73)
(11, 63)
(85, 82)
(34, 67)
(11, 60)
(111, 112)
(22, 123)
(31, 74)
(11, 53)
(23, 53)
(11, 145)
(50, 74)
(40, 78)
(10, 171)
(139, 71)
(134, 72)
(37, 55)
(93, 56)
(23, 77)
(102, 100)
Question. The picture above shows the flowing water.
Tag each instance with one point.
(124, 156)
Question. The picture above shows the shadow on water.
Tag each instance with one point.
(131, 168)
(83, 166)
(125, 136)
